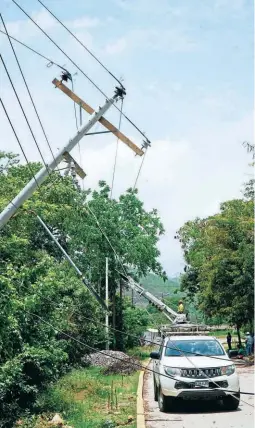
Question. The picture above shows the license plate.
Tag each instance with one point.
(202, 384)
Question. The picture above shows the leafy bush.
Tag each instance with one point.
(24, 376)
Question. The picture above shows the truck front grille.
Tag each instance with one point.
(201, 373)
(185, 385)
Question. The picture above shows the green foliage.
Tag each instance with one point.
(83, 398)
(135, 321)
(219, 254)
(42, 301)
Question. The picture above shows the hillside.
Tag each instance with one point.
(155, 285)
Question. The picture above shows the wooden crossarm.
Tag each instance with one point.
(108, 125)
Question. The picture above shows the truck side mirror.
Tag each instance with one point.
(155, 355)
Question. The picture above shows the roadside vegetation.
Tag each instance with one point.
(48, 318)
(219, 256)
(88, 399)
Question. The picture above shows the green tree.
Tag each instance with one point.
(218, 251)
(42, 301)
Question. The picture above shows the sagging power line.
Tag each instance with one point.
(44, 172)
(28, 91)
(79, 68)
(81, 43)
(23, 111)
(117, 358)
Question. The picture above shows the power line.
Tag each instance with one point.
(117, 147)
(75, 112)
(140, 169)
(28, 91)
(50, 61)
(121, 360)
(82, 44)
(140, 366)
(24, 114)
(20, 145)
(61, 50)
(107, 238)
(124, 333)
(67, 56)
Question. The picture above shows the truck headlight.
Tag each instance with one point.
(228, 370)
(172, 371)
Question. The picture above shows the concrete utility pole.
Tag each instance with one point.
(91, 289)
(41, 176)
(106, 302)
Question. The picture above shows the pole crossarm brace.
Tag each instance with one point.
(44, 172)
(108, 125)
(79, 171)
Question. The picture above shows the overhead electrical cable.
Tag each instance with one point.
(50, 61)
(125, 333)
(29, 93)
(117, 148)
(92, 348)
(206, 376)
(81, 43)
(23, 111)
(117, 257)
(20, 145)
(67, 56)
(140, 169)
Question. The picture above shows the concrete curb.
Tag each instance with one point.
(140, 416)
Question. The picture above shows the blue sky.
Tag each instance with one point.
(188, 70)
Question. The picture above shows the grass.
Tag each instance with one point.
(88, 399)
(218, 333)
(141, 352)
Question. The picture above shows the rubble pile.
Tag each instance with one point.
(113, 362)
(126, 366)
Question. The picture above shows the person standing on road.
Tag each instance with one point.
(249, 343)
(229, 339)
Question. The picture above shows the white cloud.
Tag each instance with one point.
(165, 40)
(184, 178)
(83, 22)
(27, 30)
(44, 19)
(116, 47)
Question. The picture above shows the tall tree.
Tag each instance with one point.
(218, 251)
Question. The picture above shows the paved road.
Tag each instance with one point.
(201, 414)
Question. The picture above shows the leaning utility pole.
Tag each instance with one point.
(41, 176)
(64, 154)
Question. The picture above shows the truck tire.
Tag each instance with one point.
(155, 389)
(165, 403)
(231, 402)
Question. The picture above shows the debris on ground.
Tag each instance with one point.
(126, 366)
(114, 362)
(56, 421)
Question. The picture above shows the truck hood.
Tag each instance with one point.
(196, 362)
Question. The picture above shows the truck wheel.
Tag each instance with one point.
(155, 389)
(231, 402)
(165, 403)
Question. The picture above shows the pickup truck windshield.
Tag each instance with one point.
(177, 348)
